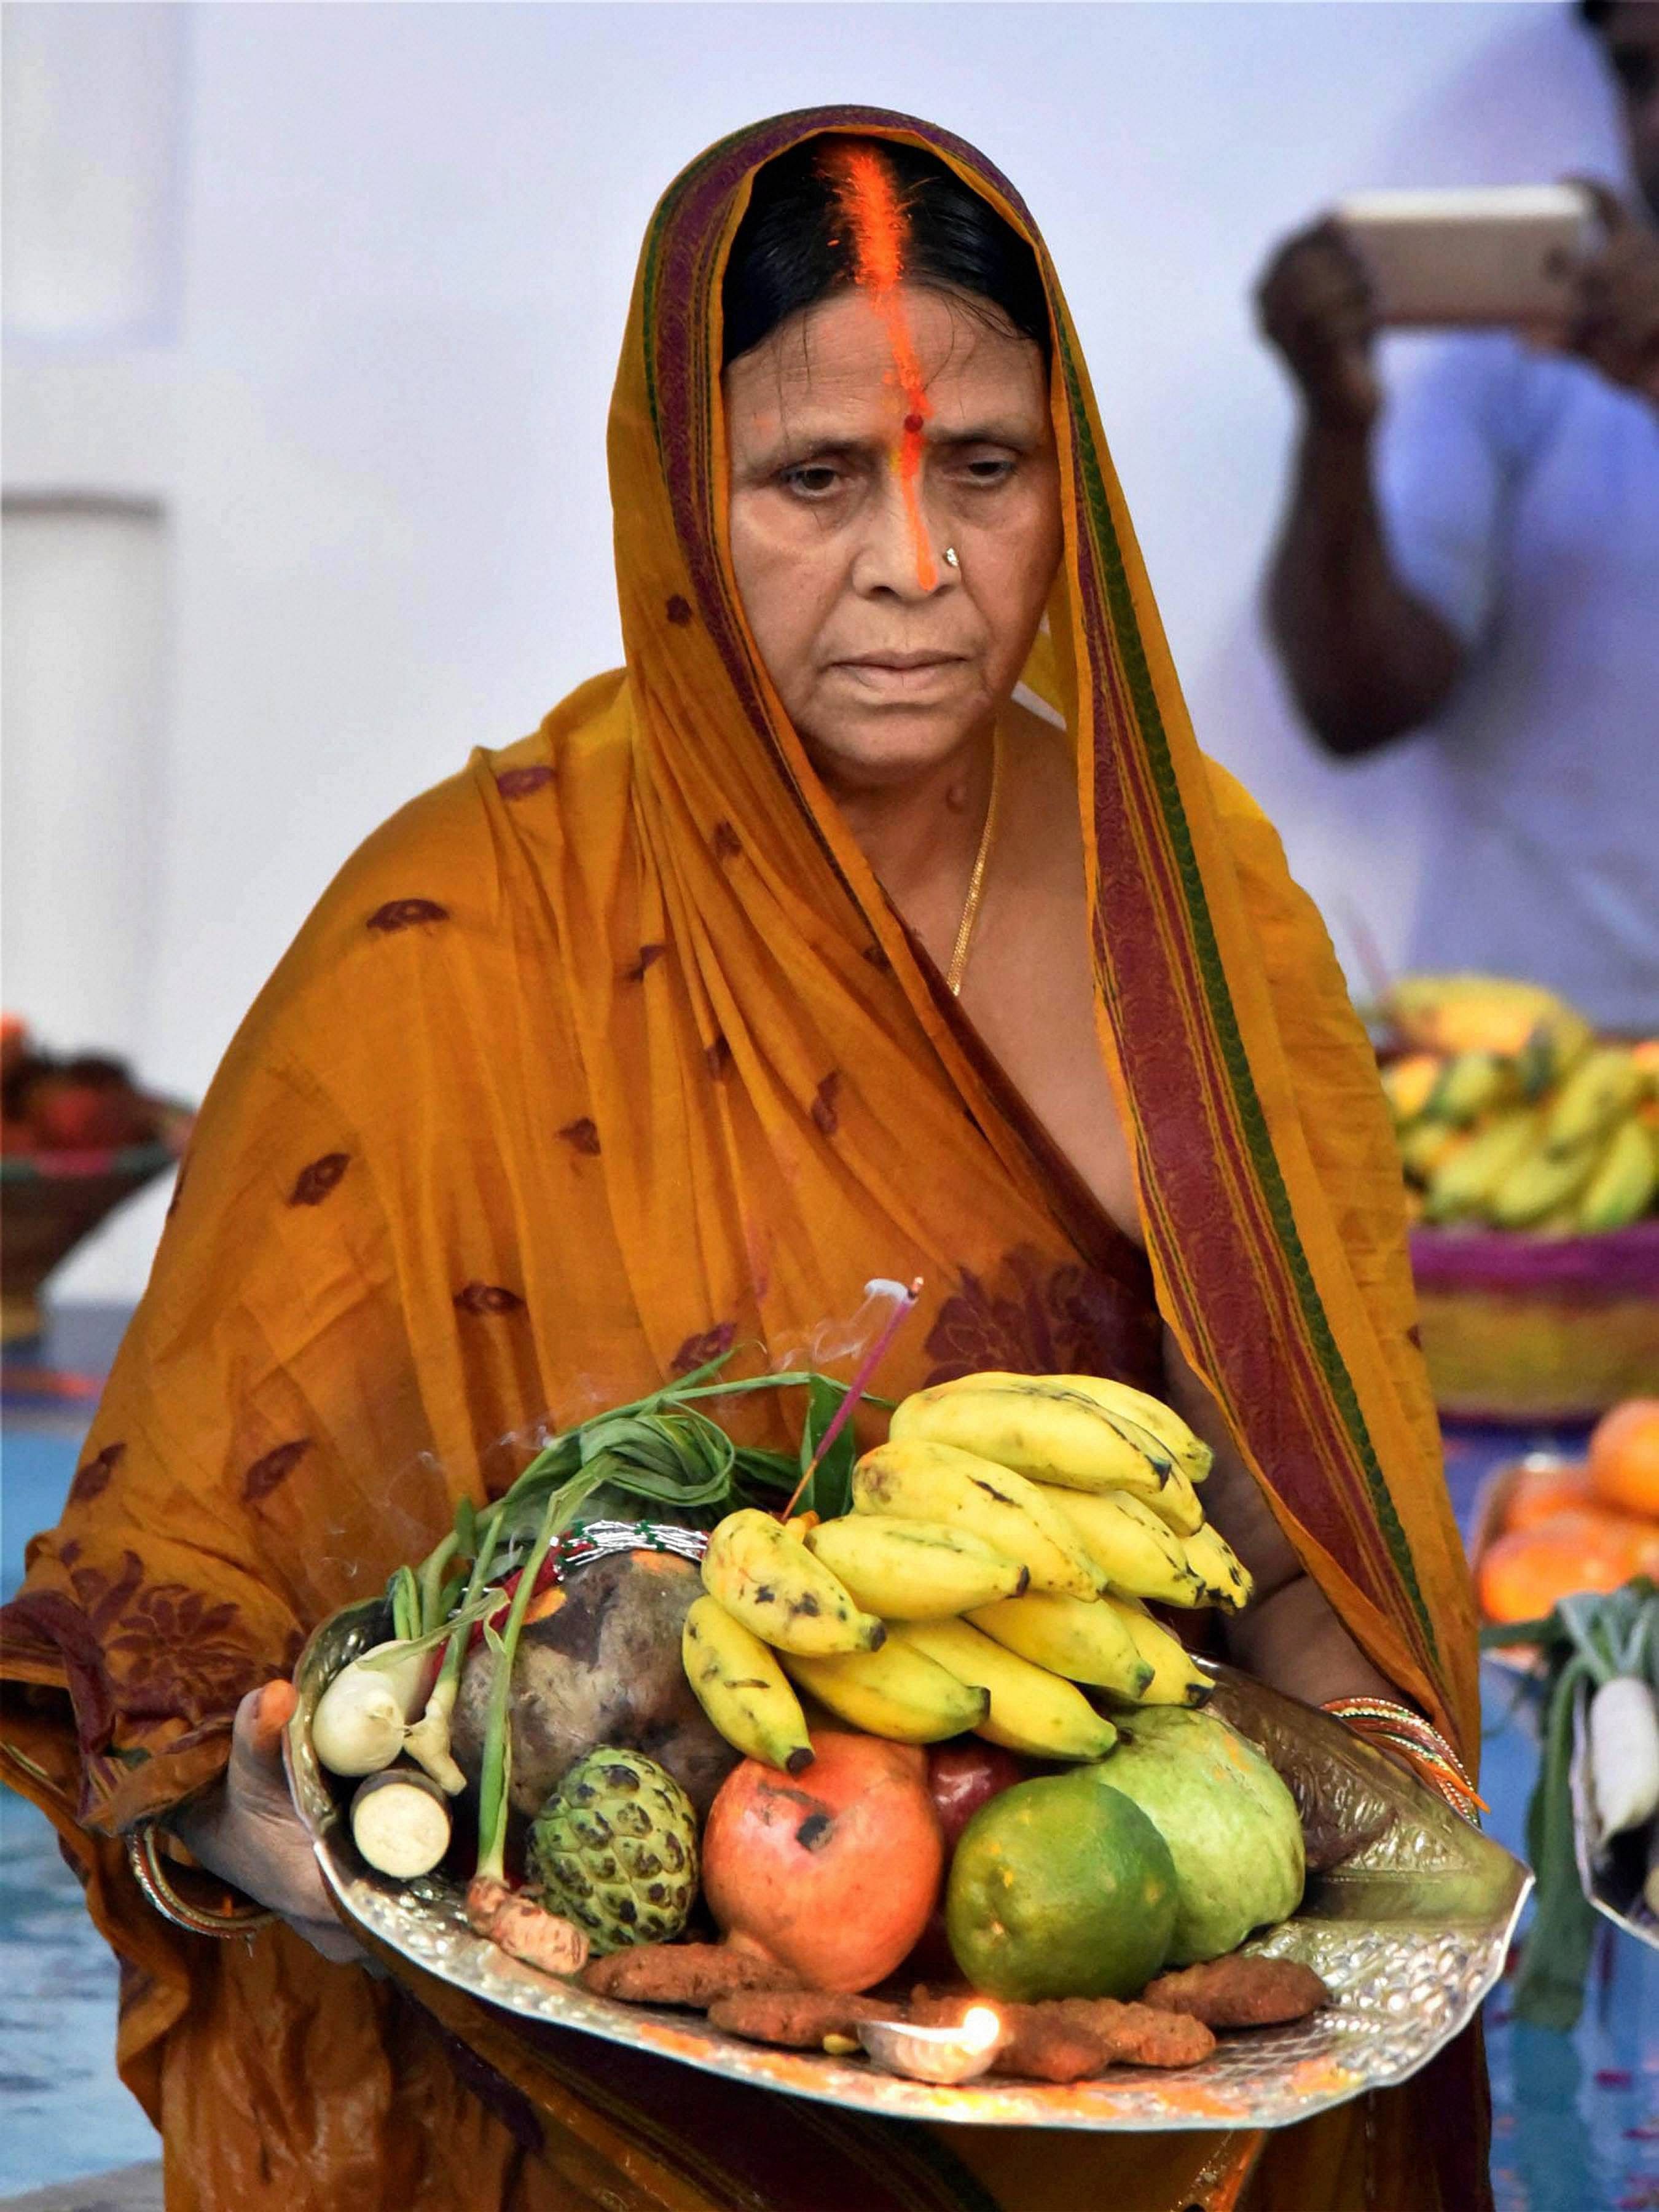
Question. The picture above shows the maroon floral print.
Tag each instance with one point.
(406, 914)
(877, 958)
(718, 1058)
(271, 1471)
(698, 1351)
(92, 1480)
(174, 1657)
(1032, 1317)
(649, 956)
(582, 1136)
(726, 841)
(678, 611)
(314, 1183)
(825, 1112)
(520, 782)
(487, 1298)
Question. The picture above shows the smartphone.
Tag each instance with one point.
(1499, 254)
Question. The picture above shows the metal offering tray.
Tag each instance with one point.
(1408, 1916)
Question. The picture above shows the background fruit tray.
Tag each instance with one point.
(1409, 1923)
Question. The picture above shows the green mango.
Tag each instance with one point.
(1232, 1825)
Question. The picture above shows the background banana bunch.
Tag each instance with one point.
(1509, 1113)
(1000, 1551)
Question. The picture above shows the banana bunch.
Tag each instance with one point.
(1520, 1119)
(1000, 1551)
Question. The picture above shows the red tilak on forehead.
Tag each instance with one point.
(877, 225)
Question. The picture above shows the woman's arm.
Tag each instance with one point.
(1290, 1636)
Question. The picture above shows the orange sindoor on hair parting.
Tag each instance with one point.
(878, 225)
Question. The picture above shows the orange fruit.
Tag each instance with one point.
(1623, 1457)
(1540, 1493)
(1527, 1572)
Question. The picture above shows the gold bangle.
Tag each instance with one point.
(145, 1860)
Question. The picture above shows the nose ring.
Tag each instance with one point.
(950, 557)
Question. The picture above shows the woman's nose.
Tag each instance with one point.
(902, 553)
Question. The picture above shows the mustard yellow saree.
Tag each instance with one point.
(610, 1055)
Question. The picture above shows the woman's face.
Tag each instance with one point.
(888, 658)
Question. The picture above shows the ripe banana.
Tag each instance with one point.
(1084, 1643)
(1132, 1548)
(1426, 1146)
(769, 1581)
(1468, 1013)
(895, 1691)
(1221, 1573)
(1464, 1181)
(1603, 1087)
(1175, 1681)
(1051, 1434)
(915, 1570)
(914, 1481)
(1177, 1505)
(1408, 1084)
(1190, 1453)
(740, 1686)
(1469, 1084)
(1625, 1182)
(1537, 1183)
(1554, 1047)
(1031, 1709)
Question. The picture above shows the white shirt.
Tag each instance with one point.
(1520, 494)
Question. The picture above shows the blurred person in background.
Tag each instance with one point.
(1477, 556)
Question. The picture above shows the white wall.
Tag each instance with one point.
(404, 238)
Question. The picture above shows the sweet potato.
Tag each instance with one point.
(1237, 1993)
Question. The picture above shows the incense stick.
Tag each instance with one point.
(867, 1367)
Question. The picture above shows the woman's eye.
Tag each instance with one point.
(811, 479)
(988, 472)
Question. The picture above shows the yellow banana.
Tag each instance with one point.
(895, 1691)
(1426, 1146)
(769, 1581)
(915, 1481)
(1600, 1091)
(1084, 1643)
(1052, 1436)
(1465, 1181)
(1141, 1410)
(1221, 1573)
(1175, 1681)
(1468, 1013)
(915, 1570)
(1132, 1548)
(1625, 1183)
(1031, 1709)
(1408, 1083)
(740, 1686)
(1537, 1184)
(1469, 1084)
(1556, 1044)
(1177, 1505)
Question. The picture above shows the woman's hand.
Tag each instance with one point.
(246, 1832)
(1615, 323)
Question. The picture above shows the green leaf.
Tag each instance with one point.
(829, 1493)
(1549, 1990)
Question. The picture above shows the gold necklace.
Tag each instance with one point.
(963, 945)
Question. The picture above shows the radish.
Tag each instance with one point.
(1623, 1755)
(363, 1716)
(400, 1822)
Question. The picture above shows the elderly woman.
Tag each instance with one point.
(879, 916)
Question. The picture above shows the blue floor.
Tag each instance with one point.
(1577, 2125)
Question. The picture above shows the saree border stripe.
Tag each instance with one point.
(1207, 970)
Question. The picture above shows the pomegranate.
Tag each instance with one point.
(833, 1872)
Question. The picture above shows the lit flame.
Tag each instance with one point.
(879, 227)
(981, 2027)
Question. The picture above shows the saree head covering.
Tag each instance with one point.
(609, 1056)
